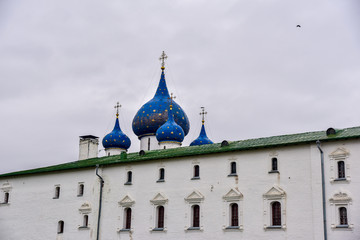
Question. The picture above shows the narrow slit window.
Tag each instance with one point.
(148, 143)
(274, 164)
(6, 197)
(343, 216)
(160, 217)
(341, 169)
(57, 192)
(161, 174)
(196, 171)
(127, 218)
(196, 216)
(60, 227)
(276, 214)
(233, 168)
(129, 177)
(86, 221)
(234, 215)
(81, 190)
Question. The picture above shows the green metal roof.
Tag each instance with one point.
(283, 140)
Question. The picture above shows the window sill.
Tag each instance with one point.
(4, 204)
(340, 179)
(125, 230)
(195, 178)
(83, 228)
(233, 228)
(55, 198)
(128, 183)
(194, 228)
(232, 175)
(80, 195)
(158, 230)
(274, 171)
(342, 226)
(161, 180)
(275, 228)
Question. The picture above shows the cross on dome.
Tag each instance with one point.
(117, 106)
(203, 114)
(162, 59)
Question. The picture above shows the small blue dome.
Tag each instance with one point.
(154, 113)
(170, 131)
(202, 139)
(116, 139)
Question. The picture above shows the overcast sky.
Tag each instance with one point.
(65, 64)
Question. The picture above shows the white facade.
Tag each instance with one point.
(33, 213)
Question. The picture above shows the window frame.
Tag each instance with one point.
(60, 227)
(196, 172)
(57, 192)
(129, 178)
(339, 155)
(161, 175)
(275, 194)
(337, 202)
(233, 169)
(194, 199)
(81, 188)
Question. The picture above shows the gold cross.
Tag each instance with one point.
(203, 114)
(117, 106)
(162, 59)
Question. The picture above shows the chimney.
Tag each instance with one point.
(88, 147)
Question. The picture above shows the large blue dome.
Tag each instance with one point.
(154, 113)
(202, 139)
(116, 138)
(170, 131)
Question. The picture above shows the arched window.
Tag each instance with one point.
(343, 216)
(274, 164)
(160, 217)
(129, 177)
(233, 168)
(6, 197)
(57, 192)
(60, 227)
(81, 190)
(127, 218)
(341, 169)
(161, 174)
(234, 214)
(85, 221)
(196, 171)
(196, 216)
(276, 214)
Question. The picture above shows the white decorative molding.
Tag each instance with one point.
(6, 187)
(339, 153)
(85, 208)
(340, 197)
(273, 154)
(127, 201)
(159, 199)
(194, 197)
(275, 193)
(233, 195)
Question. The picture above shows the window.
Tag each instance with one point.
(276, 214)
(343, 216)
(161, 175)
(57, 192)
(196, 172)
(6, 197)
(274, 164)
(148, 143)
(129, 178)
(127, 224)
(80, 190)
(60, 227)
(160, 217)
(234, 215)
(232, 169)
(341, 169)
(85, 221)
(274, 209)
(196, 216)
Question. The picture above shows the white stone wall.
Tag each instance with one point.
(33, 213)
(144, 143)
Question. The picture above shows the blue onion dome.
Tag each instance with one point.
(116, 138)
(154, 113)
(170, 131)
(202, 139)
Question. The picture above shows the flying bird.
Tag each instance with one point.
(298, 26)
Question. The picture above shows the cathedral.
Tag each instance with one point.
(298, 186)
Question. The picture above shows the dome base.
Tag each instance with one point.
(114, 151)
(169, 144)
(148, 143)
